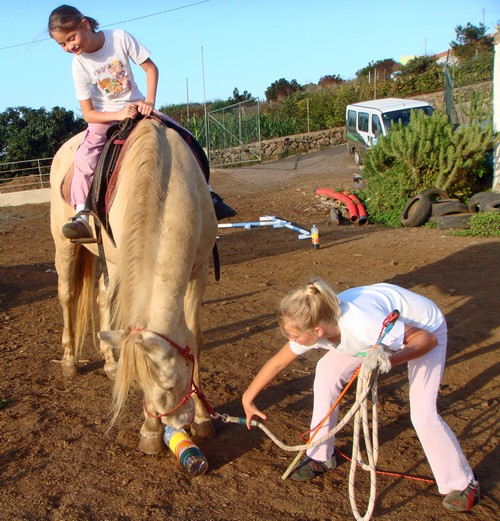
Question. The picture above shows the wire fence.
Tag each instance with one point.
(19, 176)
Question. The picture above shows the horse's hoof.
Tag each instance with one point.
(203, 430)
(69, 368)
(110, 371)
(152, 444)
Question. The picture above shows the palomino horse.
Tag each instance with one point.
(164, 227)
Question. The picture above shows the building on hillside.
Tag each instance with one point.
(446, 57)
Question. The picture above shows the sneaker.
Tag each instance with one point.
(77, 229)
(461, 501)
(222, 210)
(309, 468)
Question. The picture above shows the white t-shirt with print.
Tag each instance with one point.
(105, 76)
(363, 311)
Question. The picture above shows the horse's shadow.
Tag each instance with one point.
(26, 284)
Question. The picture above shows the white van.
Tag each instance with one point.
(367, 120)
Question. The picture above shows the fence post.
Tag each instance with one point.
(40, 173)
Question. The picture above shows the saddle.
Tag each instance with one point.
(102, 190)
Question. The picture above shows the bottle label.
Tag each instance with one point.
(177, 439)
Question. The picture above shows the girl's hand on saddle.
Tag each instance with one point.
(129, 111)
(145, 107)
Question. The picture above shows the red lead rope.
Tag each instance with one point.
(387, 325)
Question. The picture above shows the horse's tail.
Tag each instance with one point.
(83, 284)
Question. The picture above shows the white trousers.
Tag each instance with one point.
(444, 454)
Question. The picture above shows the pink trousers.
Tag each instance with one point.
(441, 447)
(86, 159)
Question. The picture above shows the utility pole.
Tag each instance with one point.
(205, 105)
(496, 110)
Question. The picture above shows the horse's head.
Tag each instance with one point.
(162, 368)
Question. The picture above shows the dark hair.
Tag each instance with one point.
(66, 18)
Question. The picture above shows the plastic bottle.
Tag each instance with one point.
(186, 452)
(315, 237)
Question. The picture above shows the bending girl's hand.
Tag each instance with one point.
(145, 107)
(251, 411)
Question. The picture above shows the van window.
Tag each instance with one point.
(363, 121)
(351, 118)
(376, 125)
(403, 116)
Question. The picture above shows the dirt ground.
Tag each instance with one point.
(60, 463)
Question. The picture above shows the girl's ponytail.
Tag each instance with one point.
(306, 307)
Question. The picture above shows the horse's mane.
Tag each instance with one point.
(164, 207)
(144, 173)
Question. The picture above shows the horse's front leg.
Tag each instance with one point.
(151, 441)
(65, 259)
(202, 426)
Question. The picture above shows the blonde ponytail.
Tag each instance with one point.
(309, 305)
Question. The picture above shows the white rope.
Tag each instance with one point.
(376, 361)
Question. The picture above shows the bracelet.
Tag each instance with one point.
(151, 103)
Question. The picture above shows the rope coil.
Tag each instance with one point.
(376, 362)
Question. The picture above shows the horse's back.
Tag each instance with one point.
(63, 159)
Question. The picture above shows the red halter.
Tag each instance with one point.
(193, 388)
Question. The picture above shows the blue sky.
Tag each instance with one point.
(247, 44)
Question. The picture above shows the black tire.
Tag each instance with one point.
(435, 194)
(437, 204)
(416, 212)
(459, 221)
(357, 157)
(493, 207)
(448, 208)
(481, 199)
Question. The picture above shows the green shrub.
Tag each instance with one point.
(482, 224)
(385, 199)
(428, 152)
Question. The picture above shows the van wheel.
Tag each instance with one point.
(416, 212)
(357, 157)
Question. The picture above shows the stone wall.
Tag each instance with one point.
(281, 147)
(278, 148)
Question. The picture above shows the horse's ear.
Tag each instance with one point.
(114, 338)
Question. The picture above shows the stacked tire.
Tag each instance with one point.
(435, 204)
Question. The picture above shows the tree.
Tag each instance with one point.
(237, 97)
(471, 41)
(330, 81)
(281, 89)
(384, 68)
(27, 133)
